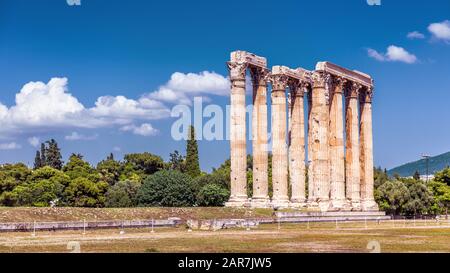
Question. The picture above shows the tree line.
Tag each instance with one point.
(140, 179)
(412, 196)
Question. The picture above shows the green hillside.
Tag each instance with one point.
(436, 163)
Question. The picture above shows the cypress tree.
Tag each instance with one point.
(192, 160)
(37, 161)
(53, 155)
(43, 153)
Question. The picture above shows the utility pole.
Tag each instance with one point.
(427, 159)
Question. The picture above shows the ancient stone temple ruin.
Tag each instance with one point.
(331, 108)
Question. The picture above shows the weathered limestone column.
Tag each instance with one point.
(336, 139)
(259, 137)
(352, 168)
(311, 197)
(366, 146)
(297, 145)
(279, 147)
(238, 158)
(319, 139)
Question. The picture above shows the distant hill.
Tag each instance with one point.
(435, 163)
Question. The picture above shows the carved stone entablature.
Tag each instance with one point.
(237, 70)
(248, 58)
(298, 79)
(351, 75)
(260, 76)
(353, 90)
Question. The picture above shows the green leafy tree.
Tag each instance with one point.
(45, 185)
(224, 172)
(441, 193)
(392, 196)
(177, 162)
(192, 159)
(109, 170)
(76, 167)
(82, 192)
(216, 178)
(122, 194)
(167, 188)
(420, 198)
(443, 176)
(11, 177)
(142, 164)
(380, 177)
(212, 195)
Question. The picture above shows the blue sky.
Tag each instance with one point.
(122, 55)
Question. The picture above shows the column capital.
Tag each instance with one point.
(366, 95)
(279, 82)
(338, 84)
(298, 87)
(237, 70)
(353, 90)
(260, 76)
(320, 79)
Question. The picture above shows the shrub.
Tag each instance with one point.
(122, 194)
(212, 195)
(167, 188)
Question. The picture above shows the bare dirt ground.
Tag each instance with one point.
(401, 236)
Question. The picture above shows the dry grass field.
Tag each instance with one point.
(22, 214)
(313, 237)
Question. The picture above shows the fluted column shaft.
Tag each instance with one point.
(279, 147)
(352, 168)
(297, 145)
(259, 137)
(337, 157)
(319, 139)
(366, 158)
(310, 185)
(238, 158)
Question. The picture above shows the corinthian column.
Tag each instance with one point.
(337, 163)
(259, 136)
(297, 145)
(352, 170)
(366, 146)
(279, 148)
(238, 158)
(319, 140)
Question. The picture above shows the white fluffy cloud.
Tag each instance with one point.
(393, 54)
(145, 129)
(10, 146)
(33, 141)
(376, 55)
(181, 87)
(39, 107)
(74, 136)
(415, 35)
(440, 30)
